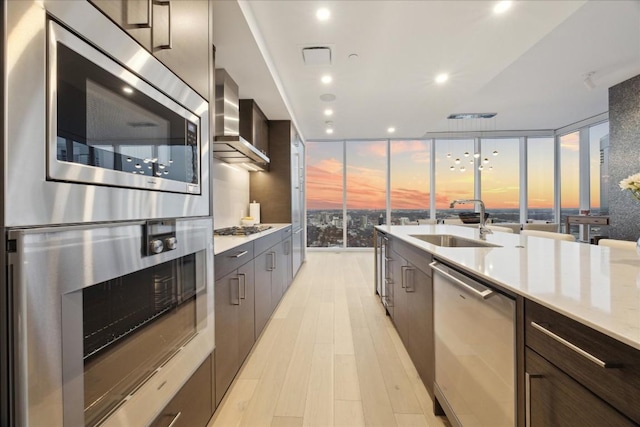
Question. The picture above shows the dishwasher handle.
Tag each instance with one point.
(483, 294)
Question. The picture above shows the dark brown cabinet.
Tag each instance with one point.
(556, 399)
(175, 31)
(577, 376)
(234, 319)
(412, 305)
(271, 275)
(254, 125)
(191, 406)
(419, 290)
(281, 190)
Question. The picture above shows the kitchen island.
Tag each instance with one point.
(572, 301)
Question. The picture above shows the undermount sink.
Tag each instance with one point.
(451, 241)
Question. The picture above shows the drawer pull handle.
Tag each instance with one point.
(239, 254)
(574, 347)
(175, 419)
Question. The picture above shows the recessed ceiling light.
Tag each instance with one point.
(328, 112)
(127, 89)
(329, 131)
(441, 78)
(326, 79)
(323, 14)
(502, 6)
(391, 129)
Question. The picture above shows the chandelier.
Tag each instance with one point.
(474, 161)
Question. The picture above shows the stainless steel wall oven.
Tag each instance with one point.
(110, 320)
(97, 128)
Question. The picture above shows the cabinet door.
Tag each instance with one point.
(262, 291)
(400, 297)
(261, 130)
(180, 40)
(419, 290)
(134, 16)
(278, 275)
(246, 309)
(288, 260)
(191, 406)
(227, 302)
(555, 399)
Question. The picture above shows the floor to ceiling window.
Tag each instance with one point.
(409, 166)
(354, 185)
(366, 191)
(540, 178)
(325, 169)
(500, 178)
(454, 163)
(569, 175)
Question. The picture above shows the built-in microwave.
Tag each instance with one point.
(107, 126)
(98, 129)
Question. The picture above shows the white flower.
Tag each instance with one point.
(631, 183)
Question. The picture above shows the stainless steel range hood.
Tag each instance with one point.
(228, 145)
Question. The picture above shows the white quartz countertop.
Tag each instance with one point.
(595, 285)
(224, 243)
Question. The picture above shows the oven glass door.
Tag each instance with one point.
(131, 326)
(106, 119)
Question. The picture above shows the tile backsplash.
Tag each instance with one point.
(230, 194)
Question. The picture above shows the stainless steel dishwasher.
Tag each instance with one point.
(474, 349)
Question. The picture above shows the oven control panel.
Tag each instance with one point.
(159, 236)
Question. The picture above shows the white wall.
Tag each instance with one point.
(230, 194)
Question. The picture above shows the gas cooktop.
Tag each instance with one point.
(241, 230)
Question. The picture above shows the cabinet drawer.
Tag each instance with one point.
(230, 260)
(618, 383)
(555, 399)
(418, 257)
(285, 233)
(264, 243)
(191, 406)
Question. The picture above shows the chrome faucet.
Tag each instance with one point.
(483, 222)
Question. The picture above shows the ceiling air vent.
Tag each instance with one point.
(316, 55)
(471, 115)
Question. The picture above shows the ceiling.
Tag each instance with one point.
(527, 64)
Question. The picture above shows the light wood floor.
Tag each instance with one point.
(329, 356)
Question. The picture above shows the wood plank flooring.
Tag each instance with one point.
(329, 356)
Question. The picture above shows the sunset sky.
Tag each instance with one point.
(410, 167)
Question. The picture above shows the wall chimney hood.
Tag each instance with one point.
(228, 145)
